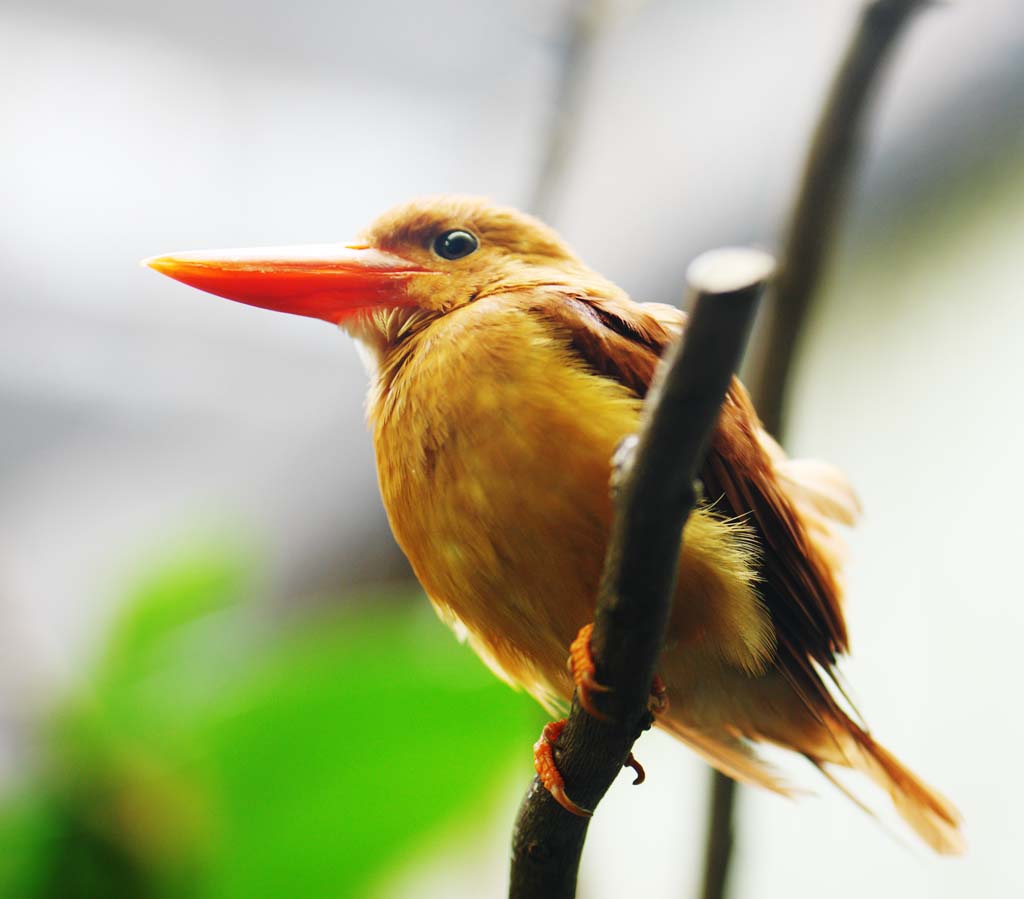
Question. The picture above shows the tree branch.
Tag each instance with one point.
(720, 837)
(581, 27)
(824, 186)
(807, 245)
(654, 480)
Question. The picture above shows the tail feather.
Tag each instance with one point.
(932, 817)
(730, 755)
(836, 741)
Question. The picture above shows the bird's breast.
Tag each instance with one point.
(493, 451)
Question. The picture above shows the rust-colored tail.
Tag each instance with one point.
(932, 817)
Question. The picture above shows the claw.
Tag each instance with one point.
(547, 770)
(641, 775)
(581, 664)
(658, 703)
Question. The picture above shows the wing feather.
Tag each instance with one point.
(793, 505)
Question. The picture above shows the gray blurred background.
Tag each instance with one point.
(136, 413)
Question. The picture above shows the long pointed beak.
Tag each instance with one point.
(328, 281)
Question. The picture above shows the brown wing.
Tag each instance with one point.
(624, 348)
(797, 583)
(624, 340)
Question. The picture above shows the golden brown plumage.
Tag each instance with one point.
(505, 378)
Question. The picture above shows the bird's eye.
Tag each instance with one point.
(455, 244)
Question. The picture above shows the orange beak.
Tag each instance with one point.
(328, 281)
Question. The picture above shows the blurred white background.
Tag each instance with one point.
(137, 412)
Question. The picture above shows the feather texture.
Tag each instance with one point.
(795, 508)
(495, 418)
(505, 374)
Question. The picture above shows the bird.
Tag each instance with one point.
(505, 372)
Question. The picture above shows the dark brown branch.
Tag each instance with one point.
(807, 245)
(655, 478)
(720, 838)
(824, 186)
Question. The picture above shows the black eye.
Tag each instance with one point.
(455, 244)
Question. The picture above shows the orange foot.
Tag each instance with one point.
(547, 770)
(581, 664)
(551, 777)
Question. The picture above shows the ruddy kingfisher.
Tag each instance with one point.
(505, 374)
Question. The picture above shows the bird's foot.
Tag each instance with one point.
(551, 777)
(581, 664)
(547, 770)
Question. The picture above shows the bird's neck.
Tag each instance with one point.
(387, 336)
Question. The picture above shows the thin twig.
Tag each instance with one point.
(720, 838)
(828, 172)
(654, 480)
(809, 241)
(581, 25)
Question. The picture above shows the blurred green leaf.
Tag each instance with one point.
(26, 828)
(353, 742)
(168, 600)
(200, 762)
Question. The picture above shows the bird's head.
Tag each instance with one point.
(416, 262)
